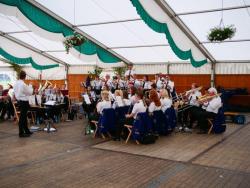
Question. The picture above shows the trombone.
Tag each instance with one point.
(185, 93)
(207, 97)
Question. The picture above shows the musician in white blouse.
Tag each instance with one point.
(138, 107)
(166, 102)
(118, 100)
(155, 103)
(22, 93)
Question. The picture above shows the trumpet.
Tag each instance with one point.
(45, 86)
(207, 97)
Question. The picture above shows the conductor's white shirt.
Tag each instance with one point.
(138, 108)
(22, 91)
(214, 105)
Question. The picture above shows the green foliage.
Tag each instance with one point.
(96, 72)
(73, 40)
(221, 34)
(120, 70)
(17, 68)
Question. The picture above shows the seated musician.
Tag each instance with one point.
(212, 104)
(155, 103)
(125, 98)
(122, 83)
(139, 107)
(137, 82)
(58, 96)
(146, 85)
(114, 85)
(97, 86)
(35, 100)
(132, 96)
(158, 81)
(169, 85)
(118, 99)
(101, 105)
(193, 106)
(89, 105)
(2, 103)
(166, 102)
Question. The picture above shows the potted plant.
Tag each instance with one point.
(221, 33)
(96, 72)
(120, 70)
(73, 40)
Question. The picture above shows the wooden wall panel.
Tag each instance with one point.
(233, 81)
(74, 86)
(182, 82)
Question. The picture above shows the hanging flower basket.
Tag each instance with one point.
(74, 40)
(221, 33)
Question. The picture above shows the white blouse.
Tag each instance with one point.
(152, 107)
(103, 105)
(165, 104)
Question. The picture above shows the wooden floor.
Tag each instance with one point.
(68, 158)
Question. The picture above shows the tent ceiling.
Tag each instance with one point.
(117, 25)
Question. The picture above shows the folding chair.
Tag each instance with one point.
(141, 126)
(106, 123)
(160, 124)
(171, 118)
(217, 125)
(16, 111)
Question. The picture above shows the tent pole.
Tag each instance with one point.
(168, 67)
(212, 79)
(67, 78)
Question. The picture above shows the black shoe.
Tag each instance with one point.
(30, 133)
(116, 139)
(202, 132)
(24, 135)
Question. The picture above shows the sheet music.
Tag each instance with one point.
(86, 99)
(50, 103)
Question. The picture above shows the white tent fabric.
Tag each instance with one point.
(182, 41)
(39, 38)
(21, 52)
(57, 73)
(117, 25)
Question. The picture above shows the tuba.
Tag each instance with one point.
(45, 86)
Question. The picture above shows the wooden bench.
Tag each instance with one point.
(231, 114)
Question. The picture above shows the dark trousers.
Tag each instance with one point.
(23, 124)
(2, 109)
(202, 119)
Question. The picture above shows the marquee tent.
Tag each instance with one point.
(156, 36)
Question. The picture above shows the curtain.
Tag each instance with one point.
(23, 61)
(48, 23)
(163, 28)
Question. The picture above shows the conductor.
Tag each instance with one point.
(22, 93)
